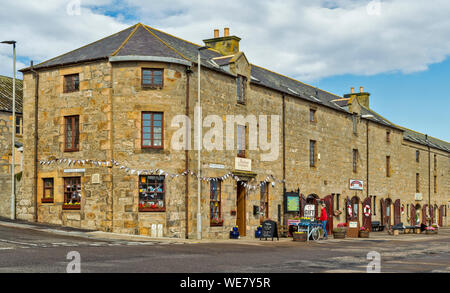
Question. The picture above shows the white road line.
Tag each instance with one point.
(17, 242)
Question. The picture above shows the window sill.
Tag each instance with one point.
(47, 200)
(216, 224)
(151, 210)
(71, 207)
(152, 87)
(241, 103)
(71, 151)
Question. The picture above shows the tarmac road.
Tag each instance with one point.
(24, 250)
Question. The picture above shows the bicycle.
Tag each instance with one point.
(316, 232)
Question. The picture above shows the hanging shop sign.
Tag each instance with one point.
(356, 184)
(367, 211)
(310, 211)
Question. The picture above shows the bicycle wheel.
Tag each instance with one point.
(315, 234)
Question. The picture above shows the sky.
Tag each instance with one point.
(398, 50)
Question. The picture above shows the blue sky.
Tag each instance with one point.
(398, 50)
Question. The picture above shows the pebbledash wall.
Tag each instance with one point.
(110, 103)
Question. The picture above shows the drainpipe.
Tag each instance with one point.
(36, 138)
(284, 155)
(367, 154)
(429, 176)
(186, 152)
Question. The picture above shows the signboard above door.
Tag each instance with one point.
(243, 164)
(356, 184)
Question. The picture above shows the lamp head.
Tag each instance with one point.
(9, 42)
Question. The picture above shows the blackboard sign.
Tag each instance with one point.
(269, 230)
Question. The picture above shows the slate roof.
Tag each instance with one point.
(142, 40)
(6, 85)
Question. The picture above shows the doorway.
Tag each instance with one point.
(241, 208)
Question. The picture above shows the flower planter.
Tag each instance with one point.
(300, 237)
(71, 207)
(339, 235)
(364, 234)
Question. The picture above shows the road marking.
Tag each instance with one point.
(17, 242)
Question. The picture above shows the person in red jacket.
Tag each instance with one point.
(324, 219)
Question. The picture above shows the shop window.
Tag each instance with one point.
(152, 78)
(48, 194)
(264, 202)
(312, 115)
(216, 203)
(72, 133)
(355, 160)
(152, 130)
(388, 166)
(417, 183)
(152, 193)
(241, 140)
(312, 153)
(72, 193)
(71, 83)
(19, 125)
(240, 87)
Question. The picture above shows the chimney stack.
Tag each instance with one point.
(362, 97)
(226, 45)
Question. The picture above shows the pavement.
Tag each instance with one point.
(35, 247)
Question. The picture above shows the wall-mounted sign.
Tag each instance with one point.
(356, 184)
(353, 224)
(96, 179)
(243, 164)
(74, 170)
(418, 196)
(217, 166)
(292, 203)
(310, 211)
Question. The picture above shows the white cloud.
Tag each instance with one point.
(305, 39)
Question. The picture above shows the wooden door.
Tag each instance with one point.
(329, 200)
(388, 214)
(367, 215)
(302, 205)
(412, 220)
(424, 214)
(397, 212)
(441, 216)
(383, 212)
(241, 210)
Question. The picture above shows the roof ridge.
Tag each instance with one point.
(42, 63)
(189, 42)
(167, 45)
(127, 39)
(402, 127)
(293, 79)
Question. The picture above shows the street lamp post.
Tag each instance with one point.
(13, 195)
(199, 146)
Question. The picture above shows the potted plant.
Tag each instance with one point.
(430, 230)
(364, 232)
(340, 231)
(216, 222)
(299, 236)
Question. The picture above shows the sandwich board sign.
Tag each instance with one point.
(310, 211)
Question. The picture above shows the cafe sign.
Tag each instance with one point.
(310, 211)
(356, 184)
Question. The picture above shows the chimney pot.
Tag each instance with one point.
(216, 33)
(227, 31)
(352, 90)
(361, 89)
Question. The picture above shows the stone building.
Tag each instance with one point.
(103, 126)
(6, 84)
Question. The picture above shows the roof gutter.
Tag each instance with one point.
(150, 58)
